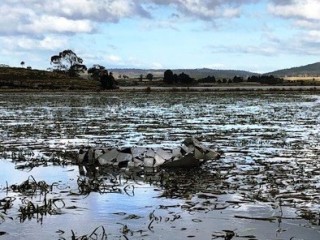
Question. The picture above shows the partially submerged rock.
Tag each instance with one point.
(191, 153)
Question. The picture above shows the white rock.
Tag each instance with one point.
(158, 160)
(137, 162)
(150, 153)
(166, 155)
(108, 157)
(138, 152)
(124, 157)
(210, 155)
(148, 162)
(98, 153)
(198, 153)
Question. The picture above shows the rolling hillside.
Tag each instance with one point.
(22, 78)
(310, 70)
(194, 73)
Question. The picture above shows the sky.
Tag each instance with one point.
(254, 35)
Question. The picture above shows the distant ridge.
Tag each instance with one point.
(194, 73)
(310, 70)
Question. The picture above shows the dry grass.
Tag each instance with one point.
(317, 79)
(21, 78)
(37, 80)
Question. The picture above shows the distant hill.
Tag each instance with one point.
(194, 73)
(310, 70)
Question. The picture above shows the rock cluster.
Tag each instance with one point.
(189, 154)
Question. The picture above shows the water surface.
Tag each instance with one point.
(266, 185)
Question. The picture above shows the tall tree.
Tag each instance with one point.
(107, 80)
(96, 70)
(68, 60)
(168, 76)
(184, 78)
(70, 57)
(149, 76)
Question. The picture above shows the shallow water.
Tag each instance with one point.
(267, 184)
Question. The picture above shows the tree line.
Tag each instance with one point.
(69, 62)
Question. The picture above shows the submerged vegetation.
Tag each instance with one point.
(265, 185)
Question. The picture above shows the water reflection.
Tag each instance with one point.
(269, 173)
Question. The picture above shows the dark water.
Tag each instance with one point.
(266, 185)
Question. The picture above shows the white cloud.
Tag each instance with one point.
(306, 45)
(12, 18)
(97, 10)
(34, 51)
(63, 16)
(82, 16)
(205, 9)
(215, 66)
(313, 36)
(300, 9)
(231, 12)
(264, 49)
(307, 24)
(46, 25)
(52, 43)
(199, 9)
(113, 59)
(156, 65)
(161, 24)
(305, 15)
(57, 25)
(26, 43)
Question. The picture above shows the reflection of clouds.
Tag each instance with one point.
(144, 197)
(10, 174)
(233, 122)
(49, 174)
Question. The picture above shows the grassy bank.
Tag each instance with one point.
(28, 79)
(22, 79)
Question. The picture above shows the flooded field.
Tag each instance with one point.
(266, 185)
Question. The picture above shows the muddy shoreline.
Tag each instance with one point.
(224, 88)
(235, 88)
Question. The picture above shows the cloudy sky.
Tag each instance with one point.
(253, 35)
